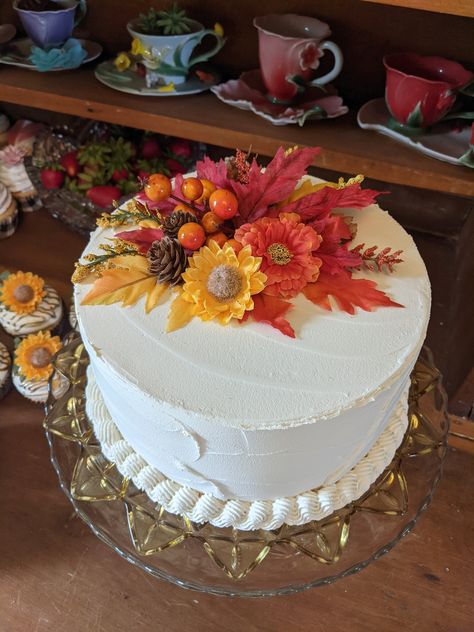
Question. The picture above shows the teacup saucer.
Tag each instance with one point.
(18, 52)
(447, 141)
(129, 81)
(248, 93)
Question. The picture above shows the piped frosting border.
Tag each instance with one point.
(246, 515)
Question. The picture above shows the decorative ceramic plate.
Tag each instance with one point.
(448, 141)
(129, 81)
(18, 52)
(248, 93)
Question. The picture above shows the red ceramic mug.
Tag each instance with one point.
(290, 47)
(420, 91)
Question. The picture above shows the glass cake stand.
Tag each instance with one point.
(228, 561)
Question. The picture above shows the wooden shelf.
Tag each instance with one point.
(346, 148)
(464, 8)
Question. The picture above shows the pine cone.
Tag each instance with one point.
(168, 260)
(173, 222)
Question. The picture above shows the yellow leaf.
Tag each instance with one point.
(181, 312)
(306, 188)
(126, 284)
(153, 298)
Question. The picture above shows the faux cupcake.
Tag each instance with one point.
(33, 367)
(5, 370)
(12, 167)
(28, 305)
(8, 213)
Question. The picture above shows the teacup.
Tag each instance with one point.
(290, 47)
(420, 91)
(168, 57)
(50, 29)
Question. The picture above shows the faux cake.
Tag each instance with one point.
(259, 377)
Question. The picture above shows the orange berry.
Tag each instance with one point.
(191, 236)
(219, 238)
(223, 203)
(236, 245)
(192, 188)
(158, 187)
(211, 222)
(208, 188)
(183, 207)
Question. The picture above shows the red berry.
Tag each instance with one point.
(103, 196)
(119, 174)
(150, 149)
(52, 178)
(70, 164)
(191, 236)
(223, 203)
(192, 188)
(174, 166)
(158, 187)
(181, 147)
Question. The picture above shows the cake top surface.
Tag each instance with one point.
(252, 376)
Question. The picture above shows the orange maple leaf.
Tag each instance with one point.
(347, 292)
(126, 283)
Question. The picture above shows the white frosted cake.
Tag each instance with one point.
(240, 425)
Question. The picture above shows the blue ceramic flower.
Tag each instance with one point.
(69, 55)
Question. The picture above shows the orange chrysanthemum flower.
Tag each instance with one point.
(286, 247)
(22, 292)
(34, 355)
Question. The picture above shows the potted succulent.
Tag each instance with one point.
(164, 41)
(49, 23)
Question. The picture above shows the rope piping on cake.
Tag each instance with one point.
(246, 515)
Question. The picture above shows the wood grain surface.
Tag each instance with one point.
(202, 117)
(56, 576)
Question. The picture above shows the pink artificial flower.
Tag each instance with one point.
(309, 57)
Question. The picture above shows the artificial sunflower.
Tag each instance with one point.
(219, 284)
(22, 292)
(286, 247)
(34, 355)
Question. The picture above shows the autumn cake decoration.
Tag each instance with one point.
(236, 242)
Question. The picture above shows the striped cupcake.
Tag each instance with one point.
(8, 213)
(5, 369)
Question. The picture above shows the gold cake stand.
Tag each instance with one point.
(245, 563)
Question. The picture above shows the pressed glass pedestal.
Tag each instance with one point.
(228, 561)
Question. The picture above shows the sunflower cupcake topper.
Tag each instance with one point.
(22, 292)
(34, 355)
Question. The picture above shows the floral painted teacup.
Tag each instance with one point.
(168, 57)
(290, 47)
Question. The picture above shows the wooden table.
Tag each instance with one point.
(56, 576)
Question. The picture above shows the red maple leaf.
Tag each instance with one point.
(270, 310)
(143, 237)
(319, 204)
(272, 185)
(216, 172)
(347, 292)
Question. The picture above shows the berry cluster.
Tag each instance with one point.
(211, 207)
